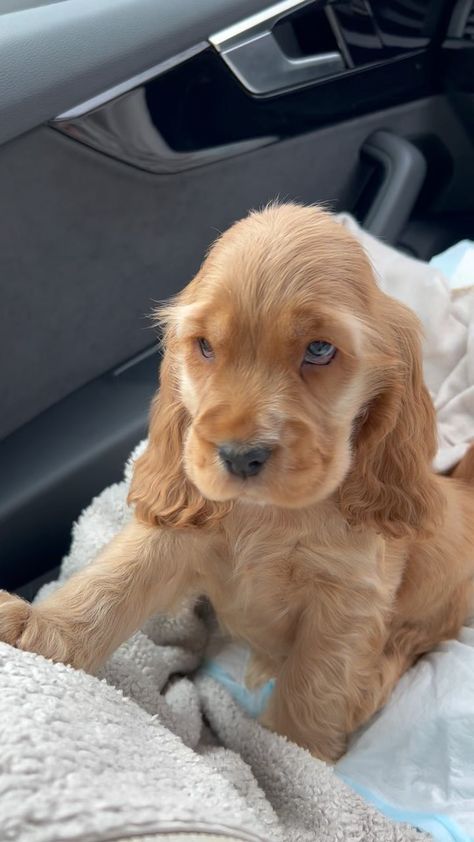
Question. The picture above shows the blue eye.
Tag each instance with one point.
(205, 348)
(319, 353)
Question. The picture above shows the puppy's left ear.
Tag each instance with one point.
(391, 485)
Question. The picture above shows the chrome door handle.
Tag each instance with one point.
(254, 55)
(263, 68)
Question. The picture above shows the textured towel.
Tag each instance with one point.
(156, 748)
(135, 753)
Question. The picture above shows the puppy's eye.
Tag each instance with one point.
(319, 353)
(205, 348)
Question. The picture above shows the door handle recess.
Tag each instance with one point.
(263, 68)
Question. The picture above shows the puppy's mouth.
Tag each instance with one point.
(289, 473)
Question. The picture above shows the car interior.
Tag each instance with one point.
(131, 133)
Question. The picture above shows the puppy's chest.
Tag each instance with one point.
(269, 572)
(259, 587)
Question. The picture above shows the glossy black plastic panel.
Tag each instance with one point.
(198, 112)
(199, 107)
(457, 61)
(360, 34)
(371, 30)
(408, 24)
(457, 56)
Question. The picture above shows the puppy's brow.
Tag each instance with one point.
(343, 329)
(187, 319)
(302, 326)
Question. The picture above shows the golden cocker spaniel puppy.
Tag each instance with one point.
(287, 477)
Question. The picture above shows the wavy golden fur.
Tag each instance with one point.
(339, 557)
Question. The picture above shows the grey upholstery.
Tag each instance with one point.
(54, 56)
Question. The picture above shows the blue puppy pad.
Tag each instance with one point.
(457, 264)
(227, 663)
(253, 702)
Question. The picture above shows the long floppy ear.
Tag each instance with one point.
(391, 485)
(162, 493)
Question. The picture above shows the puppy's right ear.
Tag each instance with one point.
(160, 489)
(158, 485)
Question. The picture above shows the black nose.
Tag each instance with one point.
(243, 461)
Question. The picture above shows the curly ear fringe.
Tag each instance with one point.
(160, 490)
(391, 485)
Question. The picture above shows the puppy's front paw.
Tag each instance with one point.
(14, 616)
(23, 625)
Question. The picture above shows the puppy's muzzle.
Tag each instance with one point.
(243, 461)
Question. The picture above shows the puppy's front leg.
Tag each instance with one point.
(143, 570)
(328, 682)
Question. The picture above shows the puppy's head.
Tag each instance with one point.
(288, 376)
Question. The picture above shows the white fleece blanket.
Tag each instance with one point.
(151, 747)
(448, 351)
